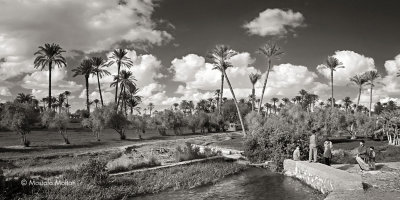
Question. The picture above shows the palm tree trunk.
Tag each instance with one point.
(332, 101)
(98, 84)
(265, 84)
(253, 95)
(359, 95)
(116, 87)
(370, 100)
(221, 93)
(87, 94)
(119, 98)
(236, 103)
(50, 63)
(274, 108)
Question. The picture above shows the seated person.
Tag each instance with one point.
(362, 156)
(296, 154)
(371, 158)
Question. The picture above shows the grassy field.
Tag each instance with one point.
(50, 142)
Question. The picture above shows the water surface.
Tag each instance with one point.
(254, 183)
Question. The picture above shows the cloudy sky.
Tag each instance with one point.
(168, 41)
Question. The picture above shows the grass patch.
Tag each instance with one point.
(124, 163)
(179, 177)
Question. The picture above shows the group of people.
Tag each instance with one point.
(365, 158)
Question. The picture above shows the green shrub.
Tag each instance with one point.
(189, 152)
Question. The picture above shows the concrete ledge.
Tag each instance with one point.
(322, 177)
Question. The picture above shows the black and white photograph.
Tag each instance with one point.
(199, 99)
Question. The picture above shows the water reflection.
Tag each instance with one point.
(252, 184)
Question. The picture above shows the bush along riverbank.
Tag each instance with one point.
(92, 181)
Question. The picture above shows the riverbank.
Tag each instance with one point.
(123, 157)
(144, 182)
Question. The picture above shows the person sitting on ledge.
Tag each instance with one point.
(361, 157)
(296, 154)
(371, 158)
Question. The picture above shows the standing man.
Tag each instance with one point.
(313, 147)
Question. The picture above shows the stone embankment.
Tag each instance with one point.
(324, 178)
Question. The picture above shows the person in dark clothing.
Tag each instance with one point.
(371, 158)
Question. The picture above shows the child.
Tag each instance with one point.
(371, 158)
(327, 152)
(296, 154)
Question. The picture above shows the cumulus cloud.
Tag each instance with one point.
(146, 70)
(38, 82)
(353, 63)
(4, 91)
(200, 80)
(197, 74)
(91, 25)
(273, 22)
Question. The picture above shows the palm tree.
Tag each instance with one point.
(60, 101)
(67, 93)
(285, 100)
(332, 64)
(217, 99)
(176, 106)
(85, 69)
(270, 51)
(96, 101)
(127, 82)
(274, 101)
(98, 71)
(119, 56)
(359, 80)
(134, 100)
(253, 80)
(47, 56)
(24, 98)
(347, 102)
(219, 57)
(151, 107)
(371, 77)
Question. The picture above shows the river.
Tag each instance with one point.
(254, 183)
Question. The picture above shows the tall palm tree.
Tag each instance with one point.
(220, 56)
(347, 102)
(67, 94)
(254, 77)
(220, 91)
(127, 83)
(270, 51)
(371, 78)
(98, 70)
(359, 80)
(332, 64)
(119, 56)
(85, 69)
(49, 55)
(274, 101)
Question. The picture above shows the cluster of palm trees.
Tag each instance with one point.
(50, 55)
